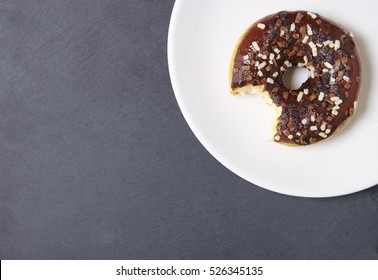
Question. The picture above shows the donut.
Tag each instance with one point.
(324, 103)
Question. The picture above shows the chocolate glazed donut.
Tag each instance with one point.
(324, 103)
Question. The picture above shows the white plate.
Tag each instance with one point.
(236, 130)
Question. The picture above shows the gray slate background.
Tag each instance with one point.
(97, 162)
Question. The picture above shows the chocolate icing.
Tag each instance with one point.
(301, 39)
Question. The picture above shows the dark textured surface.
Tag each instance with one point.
(97, 162)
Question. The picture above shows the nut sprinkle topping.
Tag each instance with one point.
(301, 39)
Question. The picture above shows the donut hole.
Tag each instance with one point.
(294, 77)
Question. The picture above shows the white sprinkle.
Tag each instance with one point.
(282, 68)
(305, 39)
(246, 57)
(270, 61)
(338, 102)
(333, 80)
(328, 65)
(262, 65)
(260, 73)
(259, 55)
(271, 56)
(337, 45)
(312, 118)
(346, 78)
(351, 34)
(292, 27)
(325, 70)
(335, 113)
(322, 134)
(309, 30)
(275, 74)
(326, 43)
(313, 48)
(312, 71)
(277, 51)
(277, 138)
(282, 33)
(314, 52)
(305, 59)
(257, 63)
(288, 64)
(336, 108)
(334, 98)
(305, 91)
(261, 26)
(298, 134)
(321, 96)
(264, 56)
(278, 56)
(270, 81)
(312, 15)
(255, 46)
(290, 137)
(304, 121)
(301, 64)
(323, 127)
(319, 45)
(313, 128)
(300, 95)
(328, 131)
(332, 45)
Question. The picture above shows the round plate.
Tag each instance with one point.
(237, 130)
